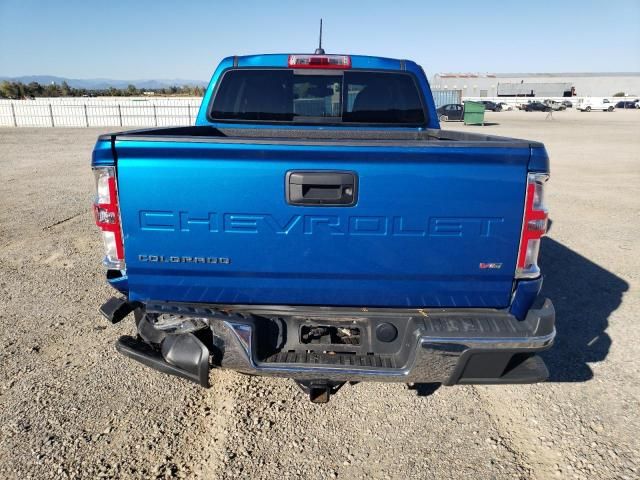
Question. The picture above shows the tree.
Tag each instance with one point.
(6, 90)
(19, 90)
(619, 94)
(34, 89)
(52, 90)
(15, 90)
(65, 90)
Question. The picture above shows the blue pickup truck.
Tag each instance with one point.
(317, 224)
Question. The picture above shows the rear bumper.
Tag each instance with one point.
(446, 346)
(450, 348)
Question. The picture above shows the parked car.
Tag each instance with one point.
(596, 104)
(451, 112)
(626, 104)
(567, 103)
(537, 107)
(505, 106)
(555, 105)
(488, 105)
(380, 249)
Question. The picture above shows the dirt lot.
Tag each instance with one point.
(71, 407)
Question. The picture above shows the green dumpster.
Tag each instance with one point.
(473, 113)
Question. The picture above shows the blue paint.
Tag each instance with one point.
(525, 294)
(539, 161)
(102, 155)
(121, 284)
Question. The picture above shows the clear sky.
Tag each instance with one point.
(140, 39)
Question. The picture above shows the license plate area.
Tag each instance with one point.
(345, 342)
(349, 336)
(311, 334)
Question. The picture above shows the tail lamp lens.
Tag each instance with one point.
(534, 226)
(107, 216)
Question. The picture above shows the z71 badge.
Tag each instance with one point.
(494, 266)
(181, 259)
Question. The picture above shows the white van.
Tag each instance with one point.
(596, 104)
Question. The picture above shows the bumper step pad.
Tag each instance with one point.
(341, 359)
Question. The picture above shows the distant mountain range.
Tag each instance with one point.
(103, 83)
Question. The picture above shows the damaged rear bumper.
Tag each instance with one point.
(464, 346)
(183, 356)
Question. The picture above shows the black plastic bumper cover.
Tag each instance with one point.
(116, 309)
(181, 355)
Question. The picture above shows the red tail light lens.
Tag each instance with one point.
(534, 226)
(107, 215)
(320, 61)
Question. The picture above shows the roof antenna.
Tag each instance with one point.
(320, 50)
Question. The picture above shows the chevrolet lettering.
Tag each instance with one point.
(317, 224)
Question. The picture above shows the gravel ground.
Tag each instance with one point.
(71, 407)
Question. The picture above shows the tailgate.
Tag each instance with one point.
(432, 226)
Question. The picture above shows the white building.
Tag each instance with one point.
(538, 84)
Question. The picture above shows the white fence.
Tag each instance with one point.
(150, 112)
(99, 112)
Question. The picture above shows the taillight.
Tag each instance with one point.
(534, 226)
(320, 61)
(107, 215)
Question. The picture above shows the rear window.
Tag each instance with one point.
(281, 95)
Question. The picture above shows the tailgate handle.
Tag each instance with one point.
(322, 188)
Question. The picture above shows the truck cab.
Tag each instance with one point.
(317, 224)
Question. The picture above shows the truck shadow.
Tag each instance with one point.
(424, 389)
(584, 295)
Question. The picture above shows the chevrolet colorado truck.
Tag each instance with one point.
(317, 224)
